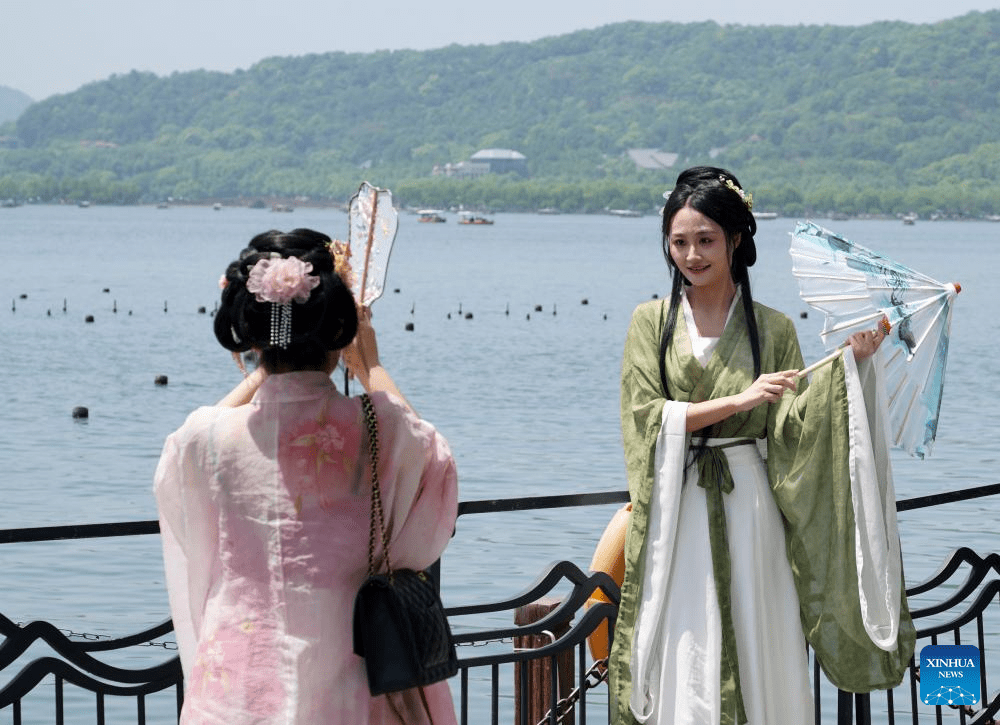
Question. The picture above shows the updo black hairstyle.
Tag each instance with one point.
(705, 189)
(328, 320)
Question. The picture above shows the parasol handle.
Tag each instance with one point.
(820, 363)
(883, 325)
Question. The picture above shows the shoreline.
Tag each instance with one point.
(285, 204)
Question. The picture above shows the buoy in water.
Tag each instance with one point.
(409, 327)
(81, 411)
(609, 557)
(88, 318)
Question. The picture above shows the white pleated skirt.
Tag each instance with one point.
(770, 643)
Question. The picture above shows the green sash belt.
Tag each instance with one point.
(715, 477)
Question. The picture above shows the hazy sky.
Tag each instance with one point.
(56, 46)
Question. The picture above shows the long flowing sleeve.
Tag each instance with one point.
(828, 471)
(189, 530)
(423, 506)
(425, 496)
(642, 396)
(642, 404)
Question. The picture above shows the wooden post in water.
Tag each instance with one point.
(538, 694)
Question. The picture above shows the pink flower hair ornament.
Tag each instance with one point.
(281, 280)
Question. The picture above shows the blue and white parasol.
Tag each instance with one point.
(856, 288)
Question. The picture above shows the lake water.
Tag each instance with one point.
(528, 399)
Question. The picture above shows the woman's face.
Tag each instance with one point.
(699, 248)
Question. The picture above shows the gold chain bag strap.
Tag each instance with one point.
(400, 628)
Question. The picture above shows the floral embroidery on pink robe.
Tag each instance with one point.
(320, 448)
(264, 514)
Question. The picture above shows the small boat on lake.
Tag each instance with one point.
(430, 216)
(468, 217)
(625, 212)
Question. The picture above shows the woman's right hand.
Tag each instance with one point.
(768, 388)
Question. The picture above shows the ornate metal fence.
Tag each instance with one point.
(77, 665)
(492, 672)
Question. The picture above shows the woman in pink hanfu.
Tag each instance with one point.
(264, 504)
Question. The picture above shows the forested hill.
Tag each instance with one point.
(878, 118)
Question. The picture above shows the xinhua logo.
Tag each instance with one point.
(949, 674)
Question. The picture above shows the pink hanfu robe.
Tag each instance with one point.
(264, 512)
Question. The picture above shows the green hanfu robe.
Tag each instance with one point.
(812, 540)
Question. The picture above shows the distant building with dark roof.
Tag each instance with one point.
(652, 158)
(501, 161)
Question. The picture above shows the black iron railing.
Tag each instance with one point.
(490, 677)
(76, 665)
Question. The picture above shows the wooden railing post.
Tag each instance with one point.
(539, 672)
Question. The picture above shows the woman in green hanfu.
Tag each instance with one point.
(763, 510)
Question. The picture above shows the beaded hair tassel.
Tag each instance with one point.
(281, 324)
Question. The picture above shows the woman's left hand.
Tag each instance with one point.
(866, 343)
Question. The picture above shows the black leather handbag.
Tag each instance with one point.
(400, 628)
